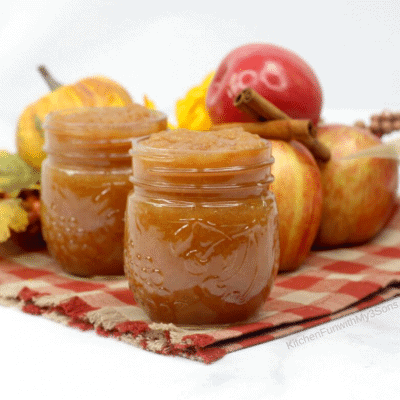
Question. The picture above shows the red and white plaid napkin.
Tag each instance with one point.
(330, 284)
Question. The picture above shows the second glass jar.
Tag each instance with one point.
(85, 184)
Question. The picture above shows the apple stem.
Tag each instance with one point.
(51, 82)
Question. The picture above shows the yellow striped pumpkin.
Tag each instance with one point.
(97, 91)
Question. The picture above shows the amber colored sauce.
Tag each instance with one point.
(83, 219)
(201, 256)
(85, 184)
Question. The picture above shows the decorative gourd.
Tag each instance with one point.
(95, 91)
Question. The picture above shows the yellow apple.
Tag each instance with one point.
(298, 190)
(359, 194)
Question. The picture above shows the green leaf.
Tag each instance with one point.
(12, 217)
(39, 126)
(15, 173)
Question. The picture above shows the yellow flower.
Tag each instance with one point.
(148, 103)
(191, 112)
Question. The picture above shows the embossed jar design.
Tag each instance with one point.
(201, 237)
(85, 184)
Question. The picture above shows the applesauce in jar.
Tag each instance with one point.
(85, 184)
(201, 235)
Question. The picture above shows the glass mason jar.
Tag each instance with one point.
(201, 234)
(85, 184)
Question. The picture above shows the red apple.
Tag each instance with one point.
(298, 190)
(359, 194)
(276, 73)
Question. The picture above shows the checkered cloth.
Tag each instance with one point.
(330, 284)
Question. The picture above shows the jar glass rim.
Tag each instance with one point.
(203, 170)
(50, 121)
(140, 149)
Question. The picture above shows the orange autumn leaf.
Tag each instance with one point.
(13, 218)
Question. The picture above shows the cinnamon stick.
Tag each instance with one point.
(260, 109)
(242, 106)
(317, 149)
(279, 129)
(284, 129)
(252, 103)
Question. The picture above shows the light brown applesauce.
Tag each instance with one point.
(201, 239)
(85, 184)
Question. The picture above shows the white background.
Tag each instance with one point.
(162, 49)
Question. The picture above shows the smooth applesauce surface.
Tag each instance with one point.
(201, 243)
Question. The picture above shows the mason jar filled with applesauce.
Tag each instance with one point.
(85, 184)
(201, 234)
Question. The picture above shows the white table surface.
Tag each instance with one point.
(43, 359)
